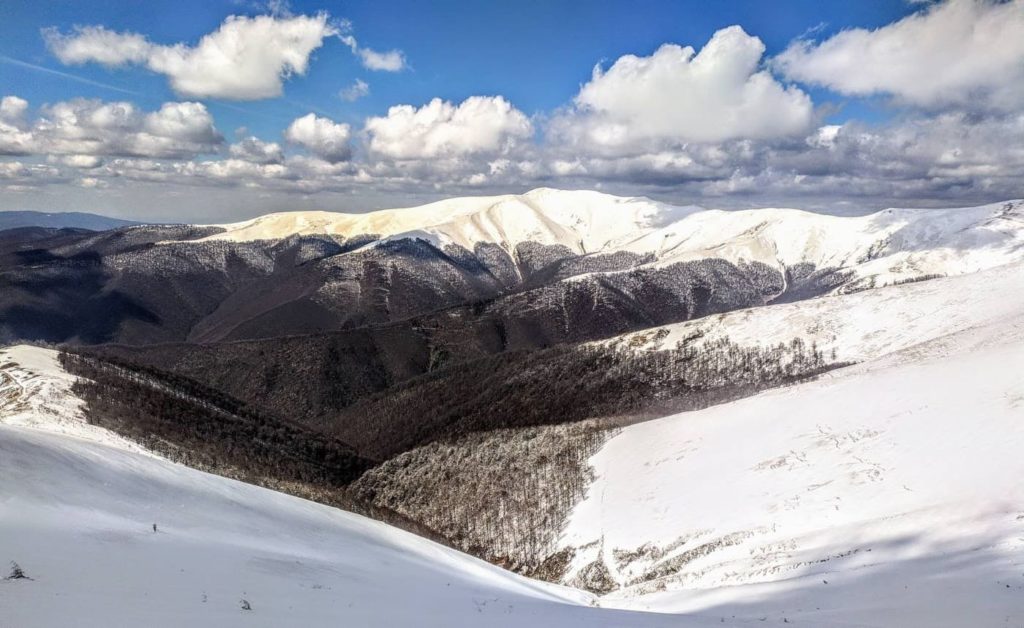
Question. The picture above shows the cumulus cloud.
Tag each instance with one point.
(478, 125)
(91, 182)
(17, 176)
(96, 44)
(355, 91)
(84, 127)
(677, 95)
(388, 61)
(257, 151)
(14, 139)
(958, 52)
(12, 109)
(187, 122)
(81, 162)
(247, 58)
(323, 137)
(712, 124)
(12, 169)
(953, 158)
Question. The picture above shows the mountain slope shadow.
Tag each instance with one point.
(35, 305)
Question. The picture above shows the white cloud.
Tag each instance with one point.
(479, 125)
(16, 176)
(12, 109)
(91, 182)
(677, 95)
(96, 44)
(388, 61)
(12, 170)
(82, 162)
(14, 138)
(182, 121)
(355, 91)
(961, 52)
(14, 141)
(257, 151)
(953, 159)
(247, 58)
(84, 128)
(322, 137)
(676, 124)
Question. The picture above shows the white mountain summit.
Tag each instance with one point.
(882, 248)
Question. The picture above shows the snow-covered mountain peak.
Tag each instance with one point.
(584, 221)
(885, 247)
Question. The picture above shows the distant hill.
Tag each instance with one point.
(60, 220)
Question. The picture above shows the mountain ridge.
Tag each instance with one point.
(891, 244)
(17, 219)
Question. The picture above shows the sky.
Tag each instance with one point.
(212, 111)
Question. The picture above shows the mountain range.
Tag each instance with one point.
(679, 415)
(60, 220)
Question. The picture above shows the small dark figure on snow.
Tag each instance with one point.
(17, 573)
(154, 527)
(245, 605)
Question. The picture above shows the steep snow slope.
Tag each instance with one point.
(886, 494)
(860, 326)
(878, 249)
(77, 517)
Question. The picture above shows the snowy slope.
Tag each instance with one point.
(77, 507)
(36, 392)
(860, 326)
(886, 494)
(880, 249)
(77, 517)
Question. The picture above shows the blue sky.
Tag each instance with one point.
(537, 57)
(535, 53)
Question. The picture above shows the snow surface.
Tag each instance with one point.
(885, 494)
(77, 506)
(36, 392)
(860, 326)
(880, 249)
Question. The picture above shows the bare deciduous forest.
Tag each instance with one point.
(486, 455)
